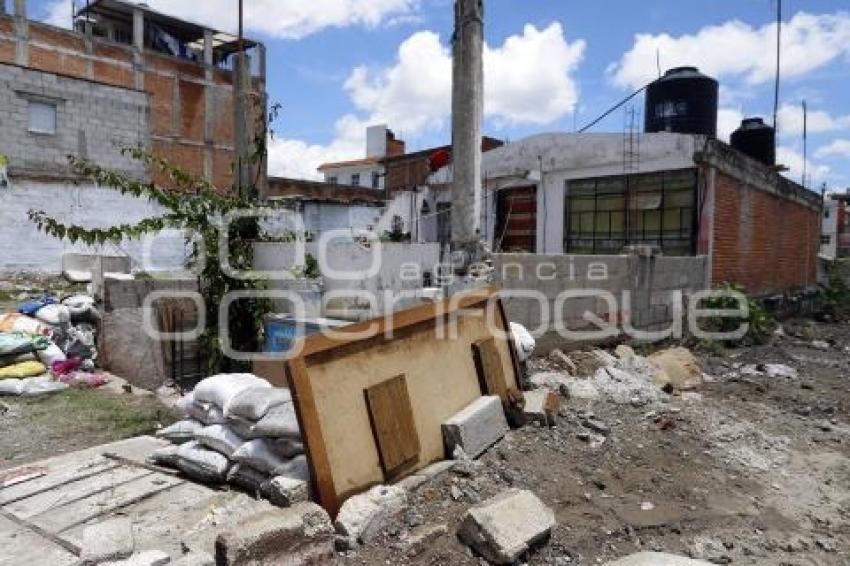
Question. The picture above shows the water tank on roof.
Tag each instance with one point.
(683, 101)
(756, 139)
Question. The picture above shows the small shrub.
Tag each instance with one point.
(761, 323)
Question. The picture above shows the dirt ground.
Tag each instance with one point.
(746, 470)
(74, 419)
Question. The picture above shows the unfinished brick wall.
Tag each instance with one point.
(180, 129)
(766, 242)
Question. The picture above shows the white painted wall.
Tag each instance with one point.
(24, 248)
(829, 229)
(344, 174)
(565, 156)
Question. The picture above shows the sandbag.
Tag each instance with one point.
(524, 341)
(31, 386)
(12, 387)
(79, 305)
(206, 413)
(54, 314)
(243, 428)
(167, 456)
(223, 388)
(16, 359)
(12, 343)
(219, 438)
(202, 464)
(279, 422)
(297, 469)
(253, 403)
(15, 322)
(51, 355)
(32, 307)
(260, 455)
(22, 370)
(181, 431)
(247, 478)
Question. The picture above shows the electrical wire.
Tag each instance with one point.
(613, 108)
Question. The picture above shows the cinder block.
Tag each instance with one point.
(478, 426)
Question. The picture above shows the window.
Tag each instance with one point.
(355, 179)
(41, 117)
(826, 213)
(332, 180)
(376, 180)
(825, 240)
(605, 214)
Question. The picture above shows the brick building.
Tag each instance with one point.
(686, 195)
(124, 76)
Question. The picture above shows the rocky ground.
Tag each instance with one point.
(748, 468)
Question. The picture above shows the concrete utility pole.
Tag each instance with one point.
(241, 127)
(467, 114)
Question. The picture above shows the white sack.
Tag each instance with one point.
(53, 314)
(181, 431)
(296, 469)
(280, 422)
(524, 341)
(260, 455)
(52, 353)
(202, 464)
(254, 403)
(79, 305)
(247, 478)
(219, 438)
(167, 456)
(223, 388)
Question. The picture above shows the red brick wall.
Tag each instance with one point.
(766, 243)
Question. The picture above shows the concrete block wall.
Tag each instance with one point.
(651, 282)
(92, 120)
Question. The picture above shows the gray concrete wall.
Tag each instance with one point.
(651, 282)
(93, 120)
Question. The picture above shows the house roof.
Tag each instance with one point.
(281, 188)
(352, 163)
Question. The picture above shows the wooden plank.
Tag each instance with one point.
(104, 503)
(506, 328)
(391, 416)
(73, 492)
(489, 366)
(307, 413)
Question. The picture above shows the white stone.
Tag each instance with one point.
(194, 558)
(655, 559)
(363, 516)
(541, 405)
(505, 527)
(285, 491)
(478, 426)
(780, 370)
(108, 540)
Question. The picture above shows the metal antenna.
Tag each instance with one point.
(778, 59)
(805, 141)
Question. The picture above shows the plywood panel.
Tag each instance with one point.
(392, 424)
(489, 366)
(329, 379)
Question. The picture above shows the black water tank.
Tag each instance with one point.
(683, 101)
(756, 139)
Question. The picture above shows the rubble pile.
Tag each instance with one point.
(239, 430)
(49, 345)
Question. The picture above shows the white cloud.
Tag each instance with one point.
(528, 80)
(292, 19)
(793, 159)
(791, 120)
(736, 49)
(838, 148)
(728, 120)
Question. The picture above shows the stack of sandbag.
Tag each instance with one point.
(21, 372)
(240, 430)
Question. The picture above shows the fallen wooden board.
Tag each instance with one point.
(331, 373)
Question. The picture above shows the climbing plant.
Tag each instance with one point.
(194, 205)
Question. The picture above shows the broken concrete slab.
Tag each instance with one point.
(477, 427)
(362, 516)
(108, 540)
(426, 474)
(301, 534)
(284, 491)
(541, 406)
(562, 361)
(418, 540)
(148, 558)
(194, 558)
(504, 528)
(655, 559)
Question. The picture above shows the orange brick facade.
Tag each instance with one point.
(178, 90)
(764, 241)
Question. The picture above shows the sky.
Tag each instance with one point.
(338, 66)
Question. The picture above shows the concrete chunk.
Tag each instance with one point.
(504, 528)
(301, 534)
(363, 516)
(194, 558)
(541, 406)
(108, 540)
(655, 559)
(478, 426)
(285, 491)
